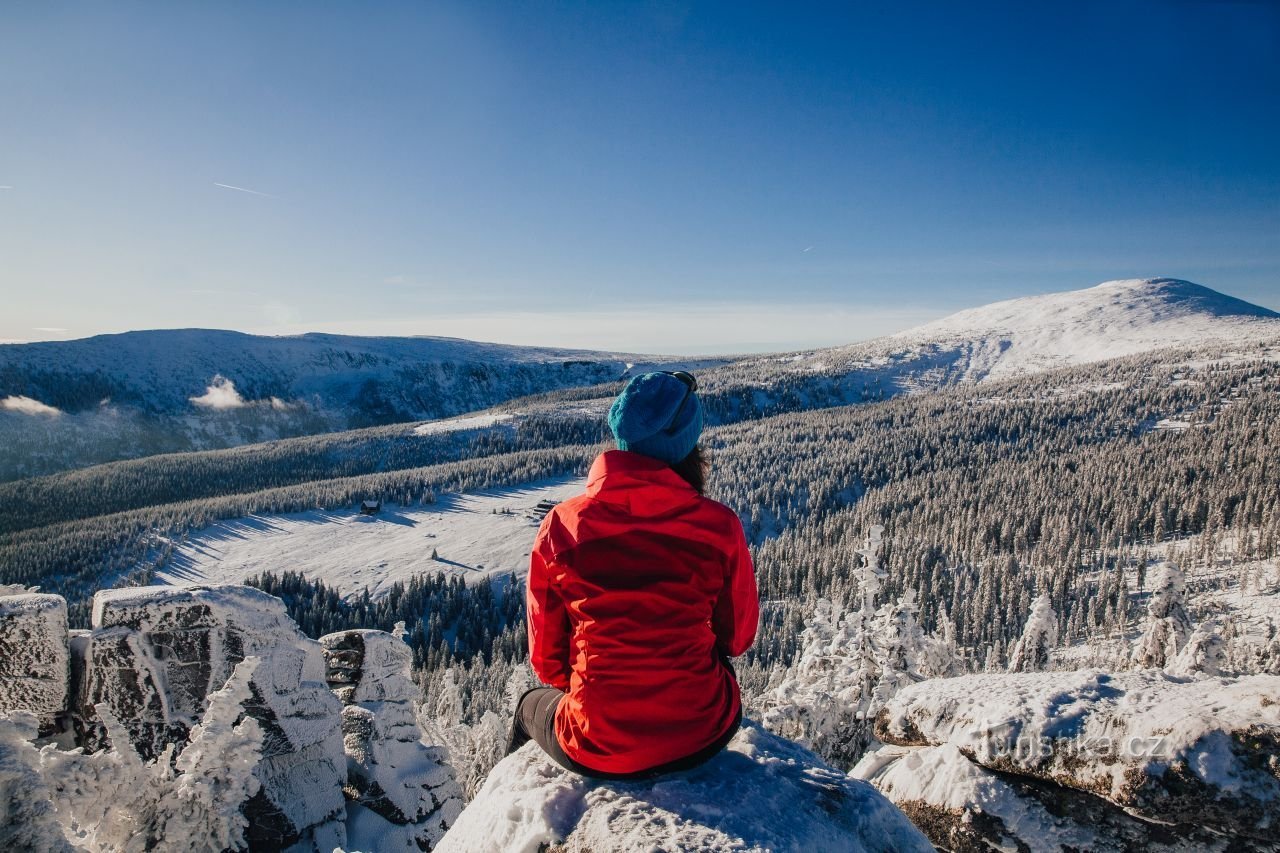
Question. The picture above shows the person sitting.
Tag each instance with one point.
(639, 591)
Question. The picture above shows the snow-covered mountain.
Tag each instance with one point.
(1113, 319)
(71, 403)
(1028, 335)
(174, 371)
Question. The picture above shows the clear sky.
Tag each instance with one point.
(662, 176)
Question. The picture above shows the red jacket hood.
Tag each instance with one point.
(643, 486)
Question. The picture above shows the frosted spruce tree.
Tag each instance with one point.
(824, 699)
(1167, 627)
(1039, 637)
(1205, 653)
(851, 664)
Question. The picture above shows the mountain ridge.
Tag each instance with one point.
(1034, 333)
(69, 404)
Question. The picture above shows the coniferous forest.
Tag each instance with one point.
(1059, 491)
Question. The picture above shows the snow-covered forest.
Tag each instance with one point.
(928, 520)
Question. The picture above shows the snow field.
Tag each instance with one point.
(474, 535)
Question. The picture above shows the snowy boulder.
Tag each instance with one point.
(156, 653)
(34, 658)
(401, 793)
(761, 793)
(964, 807)
(1202, 752)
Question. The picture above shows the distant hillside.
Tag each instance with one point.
(74, 403)
(1018, 336)
(1114, 319)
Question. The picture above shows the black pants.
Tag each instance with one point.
(536, 720)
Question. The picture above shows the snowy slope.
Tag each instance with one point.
(1029, 335)
(1113, 319)
(472, 534)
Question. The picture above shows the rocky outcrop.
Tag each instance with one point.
(34, 657)
(332, 768)
(966, 808)
(761, 793)
(397, 787)
(1097, 761)
(156, 653)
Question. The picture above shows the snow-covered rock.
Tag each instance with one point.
(157, 653)
(965, 807)
(761, 793)
(1203, 752)
(402, 794)
(27, 819)
(34, 657)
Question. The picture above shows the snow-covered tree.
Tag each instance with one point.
(215, 773)
(1039, 637)
(1269, 653)
(1167, 625)
(825, 698)
(1205, 653)
(473, 748)
(851, 663)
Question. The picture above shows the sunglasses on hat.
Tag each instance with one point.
(690, 385)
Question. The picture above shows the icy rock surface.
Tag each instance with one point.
(402, 794)
(1201, 752)
(761, 793)
(156, 653)
(966, 808)
(34, 657)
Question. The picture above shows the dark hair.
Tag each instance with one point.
(693, 469)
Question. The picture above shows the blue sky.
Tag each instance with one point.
(635, 176)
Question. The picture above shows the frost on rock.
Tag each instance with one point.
(1204, 752)
(157, 653)
(964, 807)
(34, 657)
(761, 793)
(401, 793)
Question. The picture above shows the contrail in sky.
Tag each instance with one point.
(243, 190)
(5, 187)
(810, 249)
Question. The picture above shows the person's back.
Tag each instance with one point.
(639, 590)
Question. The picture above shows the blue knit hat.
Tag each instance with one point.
(657, 414)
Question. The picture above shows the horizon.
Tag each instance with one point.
(655, 178)
(716, 353)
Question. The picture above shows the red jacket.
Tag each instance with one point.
(635, 589)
